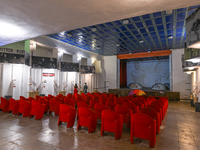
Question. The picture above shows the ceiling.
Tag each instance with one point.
(150, 32)
(20, 20)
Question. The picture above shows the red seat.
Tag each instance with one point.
(112, 122)
(143, 102)
(54, 106)
(103, 100)
(143, 126)
(153, 114)
(99, 107)
(160, 106)
(138, 103)
(125, 112)
(118, 101)
(43, 101)
(87, 118)
(67, 114)
(158, 109)
(4, 104)
(132, 106)
(93, 102)
(37, 97)
(69, 102)
(111, 105)
(37, 110)
(24, 108)
(13, 106)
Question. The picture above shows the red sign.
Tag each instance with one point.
(49, 74)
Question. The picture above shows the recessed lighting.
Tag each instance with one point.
(130, 53)
(141, 41)
(94, 29)
(170, 37)
(69, 34)
(149, 51)
(117, 45)
(126, 21)
(168, 12)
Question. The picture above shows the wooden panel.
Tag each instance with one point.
(123, 74)
(62, 92)
(173, 96)
(145, 54)
(33, 93)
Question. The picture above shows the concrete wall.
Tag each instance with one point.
(181, 82)
(111, 71)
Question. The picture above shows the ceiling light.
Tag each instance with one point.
(141, 41)
(125, 21)
(168, 12)
(188, 72)
(98, 47)
(117, 45)
(69, 34)
(94, 29)
(149, 51)
(170, 37)
(130, 53)
(194, 60)
(10, 30)
(62, 33)
(195, 45)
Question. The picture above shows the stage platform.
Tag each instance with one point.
(173, 96)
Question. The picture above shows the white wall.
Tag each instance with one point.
(181, 82)
(111, 71)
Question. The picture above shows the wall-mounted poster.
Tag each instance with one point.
(193, 27)
(87, 69)
(44, 62)
(12, 58)
(70, 67)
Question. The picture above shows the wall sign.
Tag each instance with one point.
(49, 74)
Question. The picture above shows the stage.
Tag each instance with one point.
(173, 96)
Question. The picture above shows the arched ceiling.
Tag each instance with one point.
(21, 19)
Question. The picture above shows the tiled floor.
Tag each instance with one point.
(180, 130)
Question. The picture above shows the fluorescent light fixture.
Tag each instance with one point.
(188, 72)
(191, 68)
(194, 60)
(10, 30)
(195, 45)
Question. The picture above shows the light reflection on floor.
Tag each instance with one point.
(180, 130)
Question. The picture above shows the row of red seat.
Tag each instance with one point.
(150, 116)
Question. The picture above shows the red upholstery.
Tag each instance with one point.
(132, 106)
(4, 104)
(37, 97)
(143, 126)
(158, 109)
(112, 122)
(87, 118)
(37, 110)
(24, 108)
(160, 106)
(111, 105)
(154, 114)
(22, 97)
(143, 102)
(54, 106)
(118, 101)
(43, 101)
(138, 103)
(67, 114)
(69, 102)
(13, 106)
(93, 102)
(99, 107)
(103, 100)
(125, 112)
